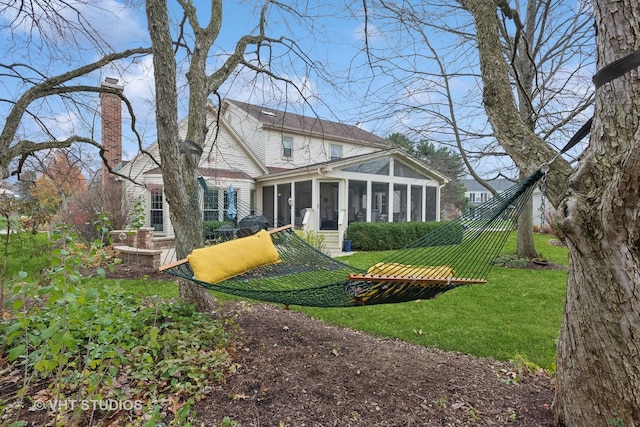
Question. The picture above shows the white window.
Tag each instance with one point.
(336, 152)
(210, 209)
(157, 209)
(287, 146)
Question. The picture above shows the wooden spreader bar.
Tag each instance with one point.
(405, 279)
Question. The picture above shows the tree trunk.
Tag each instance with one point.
(180, 185)
(598, 206)
(598, 377)
(524, 74)
(598, 371)
(526, 247)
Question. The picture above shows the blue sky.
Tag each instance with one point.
(342, 86)
(330, 39)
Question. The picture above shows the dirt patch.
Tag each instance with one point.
(134, 271)
(297, 371)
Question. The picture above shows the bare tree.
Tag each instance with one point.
(439, 78)
(598, 363)
(50, 57)
(182, 48)
(549, 48)
(194, 41)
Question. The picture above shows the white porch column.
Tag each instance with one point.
(424, 203)
(438, 190)
(369, 200)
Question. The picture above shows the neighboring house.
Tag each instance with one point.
(5, 192)
(315, 174)
(478, 194)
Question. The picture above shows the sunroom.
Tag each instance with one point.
(386, 186)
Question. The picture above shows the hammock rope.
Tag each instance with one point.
(458, 253)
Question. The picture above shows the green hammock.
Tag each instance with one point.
(458, 253)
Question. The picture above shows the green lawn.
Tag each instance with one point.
(24, 252)
(516, 314)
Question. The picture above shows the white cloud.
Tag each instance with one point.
(60, 126)
(369, 33)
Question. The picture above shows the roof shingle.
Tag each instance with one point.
(286, 120)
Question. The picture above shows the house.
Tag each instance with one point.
(478, 194)
(5, 192)
(315, 174)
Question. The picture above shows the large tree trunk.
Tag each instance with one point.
(180, 185)
(526, 247)
(598, 364)
(524, 73)
(598, 377)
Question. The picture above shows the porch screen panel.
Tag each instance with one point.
(431, 204)
(302, 200)
(357, 204)
(268, 199)
(399, 203)
(284, 209)
(416, 203)
(379, 202)
(328, 206)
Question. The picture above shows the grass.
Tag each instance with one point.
(24, 252)
(517, 314)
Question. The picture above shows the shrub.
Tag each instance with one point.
(376, 236)
(68, 342)
(211, 226)
(312, 238)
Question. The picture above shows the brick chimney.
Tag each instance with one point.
(111, 109)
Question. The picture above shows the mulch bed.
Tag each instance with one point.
(297, 371)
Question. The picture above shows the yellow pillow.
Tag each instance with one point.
(216, 263)
(395, 269)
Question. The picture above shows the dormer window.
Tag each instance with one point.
(287, 147)
(336, 151)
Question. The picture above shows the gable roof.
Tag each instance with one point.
(345, 161)
(285, 120)
(499, 184)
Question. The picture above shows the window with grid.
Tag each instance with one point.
(210, 211)
(336, 151)
(287, 146)
(156, 209)
(225, 203)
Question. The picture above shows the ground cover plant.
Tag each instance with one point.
(23, 252)
(88, 353)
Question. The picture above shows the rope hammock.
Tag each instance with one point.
(279, 266)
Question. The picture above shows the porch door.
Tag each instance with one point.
(283, 204)
(328, 214)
